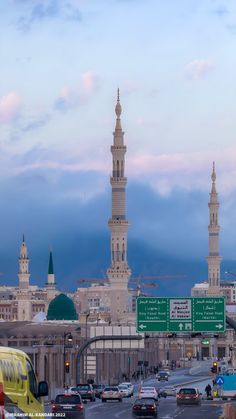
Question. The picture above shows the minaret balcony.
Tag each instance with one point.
(118, 147)
(118, 181)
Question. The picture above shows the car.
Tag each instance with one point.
(86, 391)
(145, 392)
(131, 387)
(163, 376)
(111, 393)
(166, 370)
(168, 391)
(124, 390)
(188, 396)
(145, 407)
(98, 389)
(71, 390)
(69, 405)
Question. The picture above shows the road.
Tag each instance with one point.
(167, 407)
(167, 410)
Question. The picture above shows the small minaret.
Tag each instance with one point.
(214, 258)
(24, 304)
(51, 283)
(51, 276)
(119, 271)
(23, 274)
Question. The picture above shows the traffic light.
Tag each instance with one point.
(67, 365)
(214, 368)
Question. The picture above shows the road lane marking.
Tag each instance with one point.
(121, 412)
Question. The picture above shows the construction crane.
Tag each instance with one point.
(138, 288)
(92, 280)
(137, 281)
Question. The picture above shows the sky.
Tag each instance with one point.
(61, 64)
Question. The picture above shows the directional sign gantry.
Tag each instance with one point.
(191, 314)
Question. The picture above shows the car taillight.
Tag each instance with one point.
(89, 392)
(194, 396)
(79, 407)
(55, 407)
(2, 402)
(136, 407)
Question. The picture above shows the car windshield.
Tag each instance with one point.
(72, 389)
(187, 391)
(68, 399)
(144, 401)
(148, 389)
(111, 389)
(83, 387)
(123, 387)
(97, 386)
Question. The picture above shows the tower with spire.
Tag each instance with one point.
(23, 274)
(119, 271)
(24, 294)
(214, 259)
(51, 283)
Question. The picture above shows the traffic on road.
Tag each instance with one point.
(181, 397)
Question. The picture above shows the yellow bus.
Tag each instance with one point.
(19, 390)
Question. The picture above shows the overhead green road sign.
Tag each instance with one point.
(193, 314)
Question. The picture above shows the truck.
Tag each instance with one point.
(227, 390)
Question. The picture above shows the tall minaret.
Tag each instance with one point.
(119, 271)
(214, 258)
(23, 274)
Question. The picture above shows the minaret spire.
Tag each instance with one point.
(214, 258)
(119, 271)
(51, 282)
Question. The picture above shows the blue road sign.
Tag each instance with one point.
(220, 380)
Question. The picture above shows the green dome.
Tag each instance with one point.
(62, 308)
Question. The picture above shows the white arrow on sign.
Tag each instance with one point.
(181, 326)
(219, 326)
(142, 326)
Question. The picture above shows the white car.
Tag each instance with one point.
(168, 391)
(131, 387)
(147, 392)
(111, 393)
(124, 390)
(71, 390)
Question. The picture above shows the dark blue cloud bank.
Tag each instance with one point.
(167, 235)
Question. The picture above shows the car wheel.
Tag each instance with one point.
(103, 400)
(120, 400)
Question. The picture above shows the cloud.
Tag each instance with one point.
(37, 123)
(90, 82)
(72, 97)
(47, 10)
(221, 11)
(198, 69)
(10, 107)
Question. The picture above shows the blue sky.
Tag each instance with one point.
(61, 63)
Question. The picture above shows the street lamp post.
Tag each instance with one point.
(86, 338)
(69, 340)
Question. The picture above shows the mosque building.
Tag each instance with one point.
(111, 299)
(26, 301)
